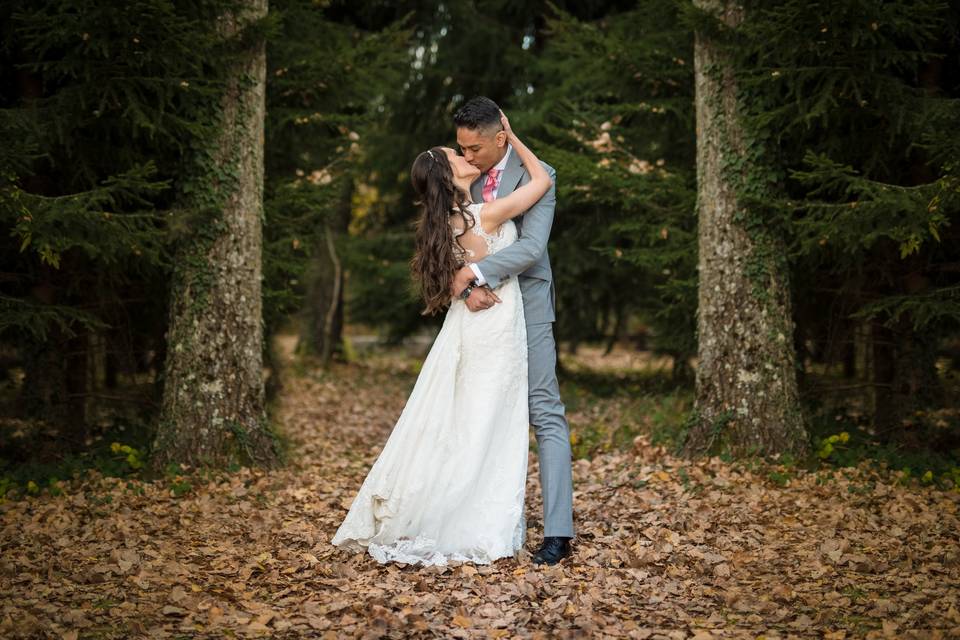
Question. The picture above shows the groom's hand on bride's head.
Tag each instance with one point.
(482, 298)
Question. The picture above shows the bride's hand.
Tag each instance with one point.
(505, 123)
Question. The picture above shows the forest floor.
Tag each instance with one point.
(666, 547)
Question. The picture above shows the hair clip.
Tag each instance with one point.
(430, 152)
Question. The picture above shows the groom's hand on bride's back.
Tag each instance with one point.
(463, 277)
(481, 298)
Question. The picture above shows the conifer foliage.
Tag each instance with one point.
(119, 173)
(860, 102)
(97, 111)
(327, 83)
(213, 396)
(158, 163)
(614, 102)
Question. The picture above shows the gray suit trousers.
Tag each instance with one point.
(552, 431)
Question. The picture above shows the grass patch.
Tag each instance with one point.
(608, 410)
(840, 439)
(33, 463)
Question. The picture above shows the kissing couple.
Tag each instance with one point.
(450, 482)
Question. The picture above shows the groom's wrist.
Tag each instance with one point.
(466, 292)
(476, 271)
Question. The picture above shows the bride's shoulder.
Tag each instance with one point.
(486, 228)
(474, 210)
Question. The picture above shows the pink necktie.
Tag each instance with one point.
(490, 185)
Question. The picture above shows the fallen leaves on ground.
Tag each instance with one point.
(666, 549)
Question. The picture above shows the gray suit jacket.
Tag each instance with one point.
(526, 258)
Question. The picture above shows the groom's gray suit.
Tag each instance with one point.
(527, 260)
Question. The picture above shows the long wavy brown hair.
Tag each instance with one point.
(436, 259)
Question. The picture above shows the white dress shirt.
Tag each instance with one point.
(500, 166)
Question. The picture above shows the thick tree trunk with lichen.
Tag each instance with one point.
(747, 400)
(213, 399)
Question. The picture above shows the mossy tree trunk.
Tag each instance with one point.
(747, 401)
(213, 398)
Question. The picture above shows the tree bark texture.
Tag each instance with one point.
(747, 401)
(213, 398)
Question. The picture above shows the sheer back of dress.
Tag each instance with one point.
(474, 244)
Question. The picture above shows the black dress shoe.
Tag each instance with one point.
(553, 550)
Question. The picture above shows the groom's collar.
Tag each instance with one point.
(510, 178)
(500, 166)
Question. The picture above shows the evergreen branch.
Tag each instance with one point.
(924, 309)
(23, 316)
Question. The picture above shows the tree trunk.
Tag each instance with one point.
(322, 333)
(747, 401)
(905, 381)
(212, 411)
(619, 328)
(883, 375)
(681, 373)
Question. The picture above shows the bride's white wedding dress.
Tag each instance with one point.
(450, 481)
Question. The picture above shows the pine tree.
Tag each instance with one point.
(559, 70)
(613, 101)
(213, 401)
(455, 50)
(747, 400)
(858, 97)
(327, 82)
(96, 105)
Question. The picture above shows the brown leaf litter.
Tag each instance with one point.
(712, 551)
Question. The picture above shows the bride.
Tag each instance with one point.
(449, 484)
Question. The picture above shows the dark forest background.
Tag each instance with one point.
(103, 110)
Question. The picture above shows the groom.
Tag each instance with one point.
(483, 143)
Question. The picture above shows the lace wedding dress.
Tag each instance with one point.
(450, 481)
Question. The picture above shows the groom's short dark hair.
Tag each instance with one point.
(478, 113)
